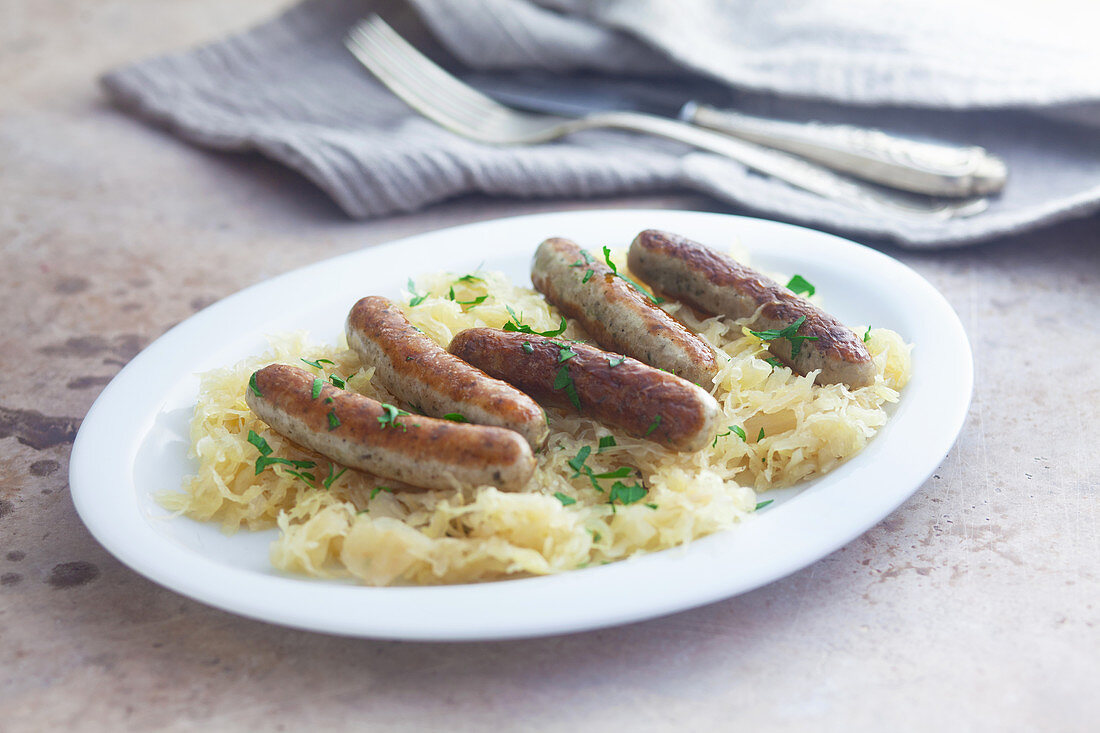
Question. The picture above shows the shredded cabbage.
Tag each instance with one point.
(379, 533)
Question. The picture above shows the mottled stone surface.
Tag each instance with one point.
(973, 607)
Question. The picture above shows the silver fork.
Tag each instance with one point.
(442, 98)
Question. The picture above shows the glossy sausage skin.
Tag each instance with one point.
(716, 283)
(421, 451)
(630, 396)
(416, 369)
(616, 315)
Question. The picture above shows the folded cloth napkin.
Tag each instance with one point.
(1019, 79)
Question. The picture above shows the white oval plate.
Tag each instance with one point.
(133, 443)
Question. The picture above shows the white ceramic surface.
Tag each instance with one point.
(133, 441)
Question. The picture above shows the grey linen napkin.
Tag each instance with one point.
(1028, 91)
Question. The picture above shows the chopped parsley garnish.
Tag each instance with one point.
(799, 285)
(564, 381)
(266, 459)
(416, 299)
(762, 504)
(620, 472)
(653, 425)
(790, 333)
(652, 506)
(586, 259)
(333, 421)
(655, 299)
(470, 279)
(318, 383)
(774, 362)
(614, 361)
(760, 436)
(565, 354)
(607, 441)
(577, 461)
(587, 276)
(332, 476)
(454, 417)
(261, 445)
(317, 364)
(866, 338)
(565, 499)
(516, 325)
(256, 390)
(329, 400)
(733, 430)
(476, 301)
(528, 347)
(375, 491)
(337, 382)
(389, 418)
(626, 494)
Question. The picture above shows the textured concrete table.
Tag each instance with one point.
(973, 607)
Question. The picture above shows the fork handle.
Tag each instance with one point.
(934, 169)
(795, 171)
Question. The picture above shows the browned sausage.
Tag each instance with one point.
(617, 390)
(416, 369)
(421, 451)
(716, 283)
(617, 315)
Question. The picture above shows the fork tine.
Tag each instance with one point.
(436, 93)
(392, 69)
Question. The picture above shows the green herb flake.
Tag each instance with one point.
(790, 333)
(866, 337)
(470, 279)
(265, 460)
(451, 293)
(318, 384)
(653, 425)
(762, 504)
(455, 417)
(614, 361)
(516, 325)
(476, 301)
(565, 382)
(378, 489)
(800, 285)
(333, 421)
(528, 347)
(596, 536)
(774, 362)
(416, 299)
(760, 435)
(621, 472)
(331, 479)
(652, 506)
(587, 276)
(733, 430)
(565, 354)
(317, 364)
(626, 494)
(607, 441)
(329, 400)
(389, 418)
(256, 390)
(565, 499)
(337, 382)
(655, 299)
(577, 461)
(261, 445)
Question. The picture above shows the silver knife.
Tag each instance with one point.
(932, 168)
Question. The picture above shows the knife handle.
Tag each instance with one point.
(929, 168)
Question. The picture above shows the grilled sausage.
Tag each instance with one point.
(617, 390)
(716, 283)
(416, 369)
(421, 451)
(617, 315)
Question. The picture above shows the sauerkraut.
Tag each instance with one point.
(782, 429)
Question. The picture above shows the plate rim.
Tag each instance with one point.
(188, 577)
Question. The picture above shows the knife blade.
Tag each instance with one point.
(928, 167)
